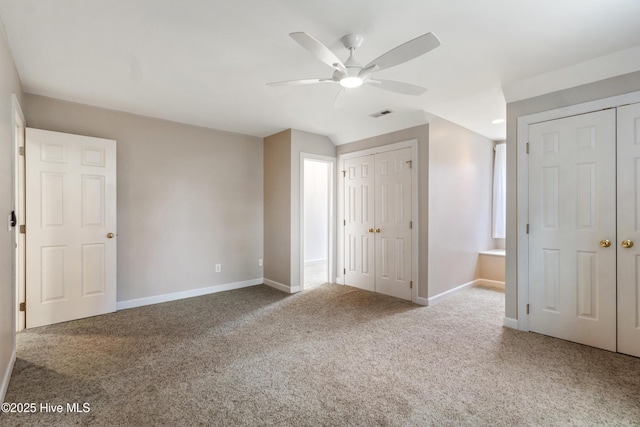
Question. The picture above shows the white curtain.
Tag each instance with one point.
(500, 192)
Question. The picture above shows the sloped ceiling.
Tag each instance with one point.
(207, 62)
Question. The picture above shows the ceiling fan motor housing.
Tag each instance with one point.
(352, 41)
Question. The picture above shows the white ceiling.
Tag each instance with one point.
(206, 62)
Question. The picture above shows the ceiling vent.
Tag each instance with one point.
(381, 113)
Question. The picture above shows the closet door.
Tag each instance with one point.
(392, 219)
(572, 219)
(629, 229)
(359, 222)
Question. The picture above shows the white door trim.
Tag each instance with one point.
(413, 145)
(522, 168)
(332, 213)
(18, 122)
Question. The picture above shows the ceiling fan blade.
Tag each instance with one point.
(335, 100)
(342, 98)
(406, 52)
(398, 87)
(318, 50)
(301, 82)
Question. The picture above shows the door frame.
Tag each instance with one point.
(19, 124)
(522, 189)
(331, 241)
(413, 145)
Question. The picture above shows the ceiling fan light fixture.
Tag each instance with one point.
(351, 82)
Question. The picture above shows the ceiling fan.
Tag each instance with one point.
(351, 74)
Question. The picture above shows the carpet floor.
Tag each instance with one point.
(333, 355)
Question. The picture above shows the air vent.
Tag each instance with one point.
(381, 113)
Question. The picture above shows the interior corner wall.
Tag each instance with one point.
(277, 207)
(421, 134)
(302, 142)
(460, 204)
(188, 197)
(580, 94)
(9, 85)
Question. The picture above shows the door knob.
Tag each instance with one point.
(371, 230)
(377, 230)
(605, 243)
(110, 235)
(627, 244)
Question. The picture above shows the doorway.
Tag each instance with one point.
(317, 218)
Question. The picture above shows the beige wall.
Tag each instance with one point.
(491, 267)
(9, 85)
(603, 89)
(188, 197)
(277, 207)
(421, 134)
(460, 195)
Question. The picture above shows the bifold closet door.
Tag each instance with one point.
(628, 239)
(359, 222)
(572, 228)
(393, 223)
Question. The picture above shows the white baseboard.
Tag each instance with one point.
(340, 280)
(282, 287)
(490, 283)
(6, 377)
(451, 292)
(139, 302)
(444, 295)
(510, 323)
(422, 301)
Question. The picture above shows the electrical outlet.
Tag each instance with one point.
(260, 262)
(218, 268)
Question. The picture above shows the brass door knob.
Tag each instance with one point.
(605, 243)
(627, 244)
(110, 235)
(377, 230)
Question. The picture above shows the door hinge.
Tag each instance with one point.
(527, 228)
(344, 174)
(21, 150)
(527, 308)
(23, 229)
(410, 163)
(344, 271)
(410, 225)
(411, 284)
(527, 148)
(23, 306)
(344, 222)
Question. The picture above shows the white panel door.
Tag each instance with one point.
(572, 186)
(629, 229)
(392, 223)
(359, 222)
(71, 211)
